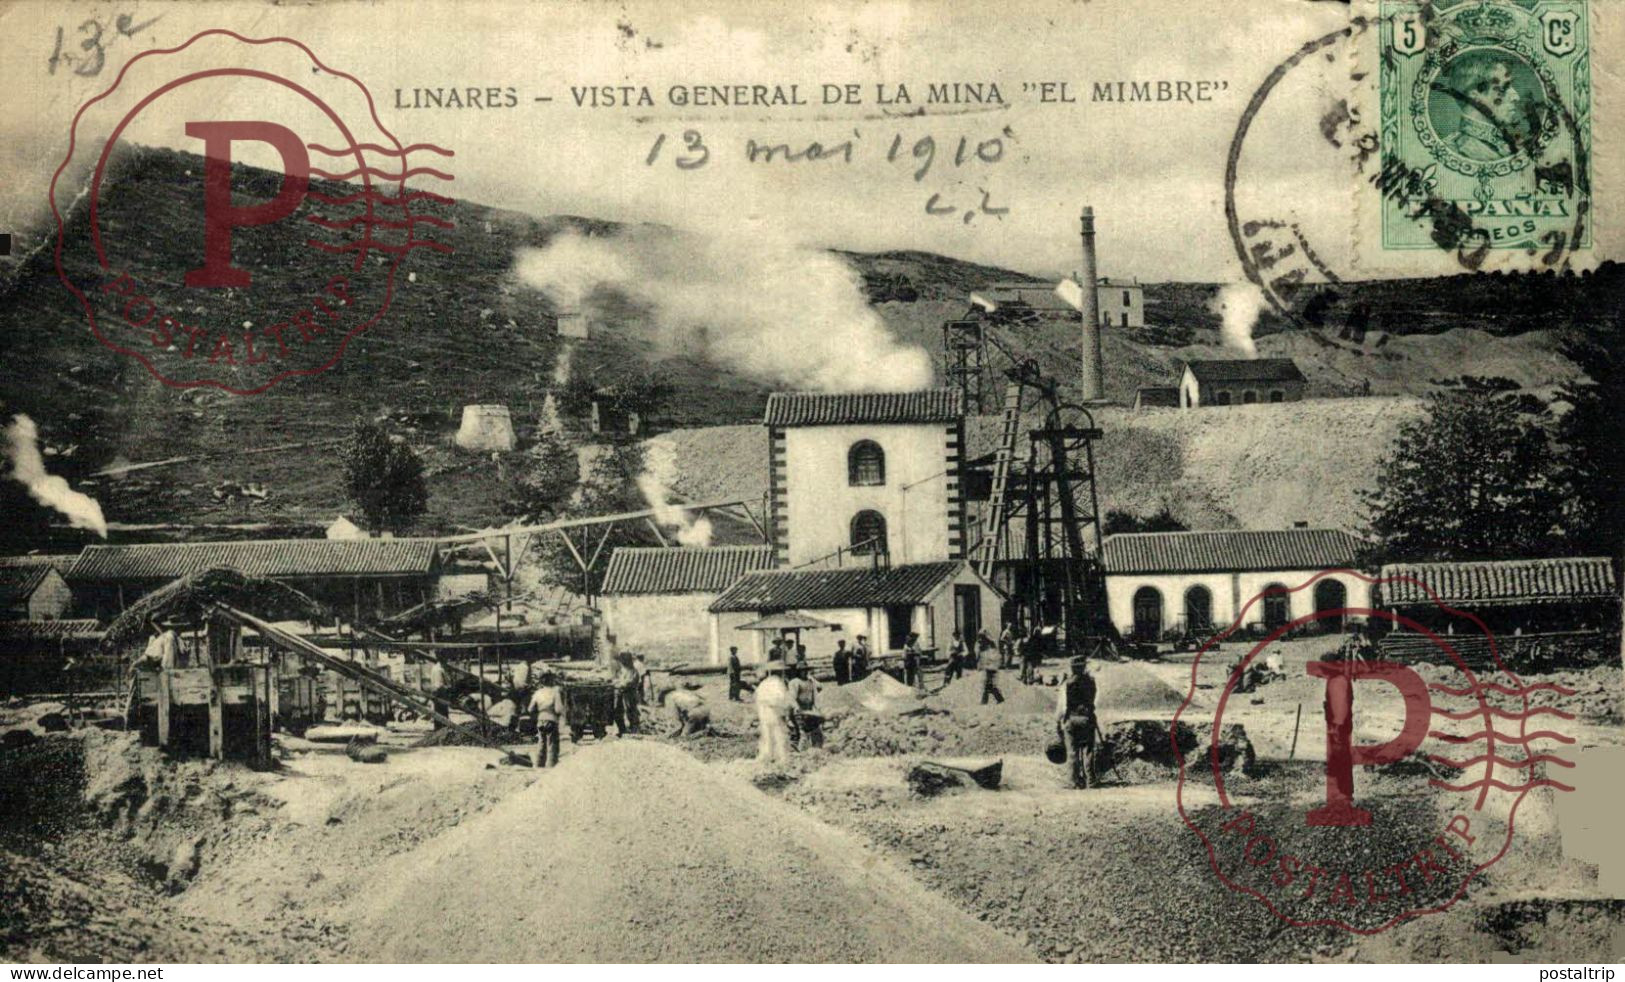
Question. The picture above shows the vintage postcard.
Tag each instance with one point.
(1117, 483)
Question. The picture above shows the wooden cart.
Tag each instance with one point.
(589, 706)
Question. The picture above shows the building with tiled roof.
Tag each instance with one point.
(838, 408)
(883, 603)
(1511, 597)
(1161, 583)
(654, 600)
(1240, 382)
(32, 591)
(361, 577)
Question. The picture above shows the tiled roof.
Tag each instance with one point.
(1246, 370)
(682, 570)
(1216, 552)
(17, 583)
(60, 561)
(1039, 296)
(834, 408)
(1503, 582)
(273, 558)
(829, 589)
(60, 630)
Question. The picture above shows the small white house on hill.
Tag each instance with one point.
(1161, 582)
(654, 599)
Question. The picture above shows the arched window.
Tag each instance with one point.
(1148, 613)
(1276, 395)
(1224, 397)
(865, 463)
(1330, 594)
(869, 533)
(1277, 606)
(1198, 609)
(1249, 397)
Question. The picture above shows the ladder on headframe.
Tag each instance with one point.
(1003, 458)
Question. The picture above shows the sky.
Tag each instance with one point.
(1153, 172)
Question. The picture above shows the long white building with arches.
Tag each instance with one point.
(1171, 583)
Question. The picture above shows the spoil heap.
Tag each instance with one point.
(966, 692)
(645, 854)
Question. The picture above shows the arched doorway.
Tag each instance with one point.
(1198, 609)
(1148, 613)
(1277, 606)
(1331, 595)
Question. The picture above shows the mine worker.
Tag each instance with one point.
(1075, 719)
(956, 660)
(1007, 645)
(438, 692)
(988, 659)
(842, 663)
(804, 715)
(860, 659)
(1031, 655)
(165, 649)
(911, 661)
(734, 670)
(646, 678)
(626, 695)
(70, 680)
(547, 702)
(801, 661)
(772, 707)
(519, 691)
(689, 711)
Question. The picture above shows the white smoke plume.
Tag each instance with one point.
(787, 314)
(28, 467)
(1239, 304)
(659, 468)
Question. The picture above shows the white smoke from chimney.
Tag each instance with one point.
(1238, 305)
(659, 471)
(28, 467)
(787, 314)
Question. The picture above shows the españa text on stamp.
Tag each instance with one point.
(1485, 127)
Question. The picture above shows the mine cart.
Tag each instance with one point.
(589, 707)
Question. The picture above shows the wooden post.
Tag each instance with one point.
(217, 730)
(163, 707)
(264, 692)
(1295, 722)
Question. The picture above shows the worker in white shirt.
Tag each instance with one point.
(688, 709)
(548, 704)
(773, 704)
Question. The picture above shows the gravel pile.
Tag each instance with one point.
(981, 731)
(966, 693)
(637, 852)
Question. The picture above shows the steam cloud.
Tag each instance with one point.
(28, 467)
(1239, 304)
(786, 314)
(659, 468)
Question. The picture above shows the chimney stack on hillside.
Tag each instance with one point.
(1094, 382)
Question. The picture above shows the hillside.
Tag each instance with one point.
(465, 330)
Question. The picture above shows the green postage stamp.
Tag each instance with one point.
(1485, 128)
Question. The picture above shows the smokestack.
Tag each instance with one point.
(1094, 389)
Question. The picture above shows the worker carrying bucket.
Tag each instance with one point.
(1075, 722)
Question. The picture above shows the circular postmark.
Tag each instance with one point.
(260, 250)
(1387, 778)
(1473, 144)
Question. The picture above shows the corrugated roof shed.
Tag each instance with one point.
(59, 630)
(1512, 581)
(830, 589)
(1245, 370)
(655, 570)
(835, 408)
(1224, 552)
(271, 558)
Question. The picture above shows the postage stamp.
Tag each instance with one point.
(1484, 122)
(197, 286)
(1445, 760)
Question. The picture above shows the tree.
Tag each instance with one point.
(608, 486)
(1471, 479)
(1123, 521)
(543, 488)
(384, 479)
(1592, 438)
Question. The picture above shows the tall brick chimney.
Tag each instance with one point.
(1094, 380)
